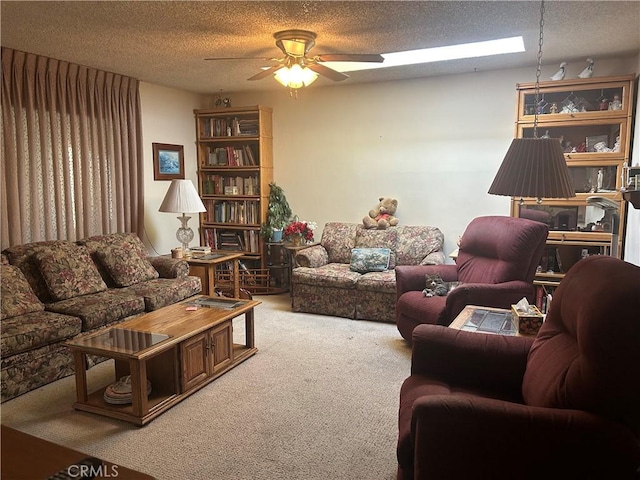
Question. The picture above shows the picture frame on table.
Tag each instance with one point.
(168, 161)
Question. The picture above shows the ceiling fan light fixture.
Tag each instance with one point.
(295, 76)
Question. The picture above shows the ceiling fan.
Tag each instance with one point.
(296, 44)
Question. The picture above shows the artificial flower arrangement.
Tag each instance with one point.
(303, 230)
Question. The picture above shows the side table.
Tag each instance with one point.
(497, 321)
(204, 266)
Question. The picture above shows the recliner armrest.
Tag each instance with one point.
(470, 359)
(498, 295)
(462, 437)
(411, 278)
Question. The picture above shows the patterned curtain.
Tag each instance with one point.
(71, 151)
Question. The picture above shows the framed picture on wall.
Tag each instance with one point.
(168, 161)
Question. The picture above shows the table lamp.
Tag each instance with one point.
(182, 197)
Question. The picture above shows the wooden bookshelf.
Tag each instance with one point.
(235, 167)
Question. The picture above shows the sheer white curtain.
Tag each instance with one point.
(71, 151)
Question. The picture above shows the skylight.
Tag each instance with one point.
(437, 54)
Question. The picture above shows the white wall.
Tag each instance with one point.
(632, 239)
(433, 143)
(167, 117)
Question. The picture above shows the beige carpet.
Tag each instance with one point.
(318, 401)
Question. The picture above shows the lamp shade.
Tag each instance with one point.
(182, 197)
(533, 167)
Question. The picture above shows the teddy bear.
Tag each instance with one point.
(383, 215)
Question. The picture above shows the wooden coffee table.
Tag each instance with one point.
(177, 348)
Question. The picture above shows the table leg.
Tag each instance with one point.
(250, 335)
(139, 401)
(210, 271)
(236, 278)
(81, 377)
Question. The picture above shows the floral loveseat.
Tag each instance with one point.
(53, 291)
(325, 282)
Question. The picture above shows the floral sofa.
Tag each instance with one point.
(56, 290)
(328, 282)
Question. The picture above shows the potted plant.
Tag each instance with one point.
(278, 214)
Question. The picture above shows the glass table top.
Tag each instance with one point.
(123, 340)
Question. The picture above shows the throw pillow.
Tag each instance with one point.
(125, 266)
(16, 295)
(68, 271)
(365, 260)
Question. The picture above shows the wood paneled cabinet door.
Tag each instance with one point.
(206, 354)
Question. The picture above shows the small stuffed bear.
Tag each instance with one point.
(382, 216)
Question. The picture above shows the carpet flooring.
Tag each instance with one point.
(318, 401)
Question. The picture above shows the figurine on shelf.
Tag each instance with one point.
(588, 71)
(601, 147)
(600, 180)
(559, 75)
(568, 147)
(541, 106)
(604, 104)
(615, 104)
(553, 108)
(569, 108)
(616, 146)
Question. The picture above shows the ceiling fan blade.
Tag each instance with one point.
(328, 72)
(240, 58)
(266, 73)
(350, 57)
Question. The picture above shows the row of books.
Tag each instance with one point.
(241, 241)
(240, 211)
(229, 127)
(223, 185)
(231, 156)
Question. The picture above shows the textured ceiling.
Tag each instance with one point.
(166, 42)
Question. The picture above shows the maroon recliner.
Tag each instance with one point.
(496, 263)
(565, 404)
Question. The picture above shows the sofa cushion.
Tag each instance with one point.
(101, 308)
(69, 271)
(365, 260)
(36, 329)
(381, 282)
(125, 266)
(16, 295)
(23, 257)
(338, 239)
(160, 292)
(416, 242)
(100, 243)
(337, 275)
(374, 238)
(28, 370)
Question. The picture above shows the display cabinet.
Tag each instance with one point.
(235, 167)
(591, 118)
